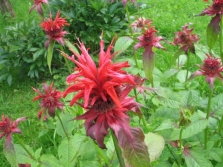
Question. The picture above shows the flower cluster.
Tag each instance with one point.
(38, 5)
(186, 39)
(8, 127)
(54, 29)
(104, 90)
(140, 24)
(50, 100)
(211, 69)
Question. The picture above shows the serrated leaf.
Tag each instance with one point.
(69, 149)
(217, 105)
(68, 124)
(155, 144)
(189, 131)
(195, 158)
(122, 44)
(48, 160)
(135, 151)
(38, 153)
(190, 99)
(181, 75)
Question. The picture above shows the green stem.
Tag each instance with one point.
(65, 59)
(25, 148)
(207, 116)
(219, 130)
(220, 41)
(181, 146)
(118, 150)
(128, 16)
(62, 125)
(102, 155)
(188, 63)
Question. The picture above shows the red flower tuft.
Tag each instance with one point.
(140, 24)
(38, 5)
(49, 100)
(8, 126)
(104, 90)
(185, 39)
(211, 69)
(54, 28)
(215, 9)
(149, 39)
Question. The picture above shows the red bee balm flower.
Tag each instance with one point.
(139, 24)
(54, 29)
(185, 39)
(8, 126)
(49, 100)
(211, 69)
(38, 5)
(105, 92)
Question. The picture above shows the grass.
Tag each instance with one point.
(168, 16)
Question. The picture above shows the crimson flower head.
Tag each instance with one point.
(211, 69)
(50, 100)
(8, 127)
(186, 39)
(38, 5)
(104, 90)
(139, 24)
(54, 29)
(148, 39)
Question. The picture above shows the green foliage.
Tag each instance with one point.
(89, 19)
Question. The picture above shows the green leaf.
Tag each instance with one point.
(9, 79)
(70, 46)
(10, 153)
(213, 29)
(50, 54)
(135, 151)
(68, 124)
(196, 158)
(49, 160)
(69, 149)
(155, 144)
(190, 131)
(21, 155)
(122, 44)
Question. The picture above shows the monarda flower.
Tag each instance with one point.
(186, 39)
(104, 90)
(8, 127)
(214, 28)
(54, 29)
(140, 24)
(211, 69)
(38, 5)
(148, 40)
(50, 100)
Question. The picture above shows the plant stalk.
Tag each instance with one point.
(118, 150)
(207, 116)
(181, 146)
(219, 130)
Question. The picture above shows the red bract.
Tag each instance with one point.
(38, 5)
(50, 100)
(214, 9)
(24, 165)
(211, 69)
(8, 127)
(54, 28)
(104, 90)
(186, 39)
